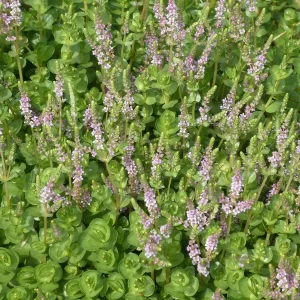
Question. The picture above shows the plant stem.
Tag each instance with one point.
(145, 10)
(268, 235)
(167, 272)
(169, 186)
(255, 201)
(18, 57)
(289, 182)
(215, 73)
(117, 196)
(153, 273)
(5, 180)
(170, 56)
(45, 224)
(229, 225)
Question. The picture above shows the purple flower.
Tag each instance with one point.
(212, 242)
(237, 30)
(203, 197)
(220, 11)
(157, 161)
(274, 190)
(58, 86)
(256, 69)
(199, 31)
(166, 230)
(102, 48)
(47, 118)
(298, 147)
(196, 218)
(236, 186)
(131, 168)
(152, 52)
(170, 23)
(242, 206)
(275, 159)
(48, 195)
(153, 244)
(286, 277)
(175, 27)
(91, 122)
(184, 121)
(25, 106)
(108, 101)
(251, 5)
(203, 60)
(150, 202)
(86, 199)
(217, 295)
(281, 138)
(128, 106)
(10, 17)
(77, 174)
(194, 253)
(206, 165)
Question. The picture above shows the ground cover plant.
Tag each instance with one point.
(149, 149)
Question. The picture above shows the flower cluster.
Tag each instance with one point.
(91, 122)
(194, 253)
(102, 48)
(10, 17)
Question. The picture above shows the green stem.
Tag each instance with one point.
(60, 119)
(170, 56)
(169, 186)
(215, 73)
(254, 29)
(167, 272)
(153, 273)
(145, 10)
(70, 187)
(117, 196)
(193, 111)
(268, 235)
(45, 224)
(5, 180)
(229, 225)
(227, 234)
(36, 151)
(18, 57)
(289, 182)
(255, 201)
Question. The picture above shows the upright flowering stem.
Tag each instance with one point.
(5, 176)
(18, 57)
(117, 195)
(255, 201)
(145, 10)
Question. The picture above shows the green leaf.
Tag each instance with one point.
(48, 272)
(5, 93)
(167, 123)
(72, 289)
(274, 107)
(116, 284)
(91, 283)
(278, 73)
(43, 51)
(129, 265)
(9, 260)
(19, 293)
(26, 277)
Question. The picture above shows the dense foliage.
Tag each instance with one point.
(149, 149)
